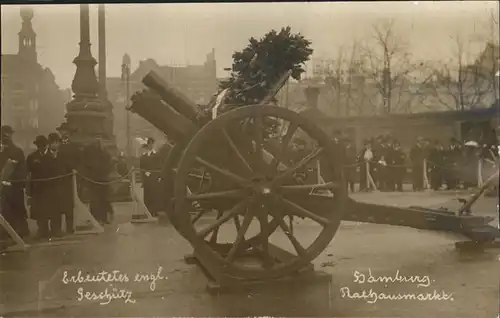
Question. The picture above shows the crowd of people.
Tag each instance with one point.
(45, 176)
(452, 166)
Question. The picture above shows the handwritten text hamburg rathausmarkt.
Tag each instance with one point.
(113, 278)
(371, 296)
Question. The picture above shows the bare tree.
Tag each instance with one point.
(345, 80)
(460, 84)
(334, 77)
(492, 38)
(342, 77)
(387, 65)
(413, 88)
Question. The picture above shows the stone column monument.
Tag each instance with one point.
(89, 114)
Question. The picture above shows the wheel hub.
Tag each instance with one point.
(265, 190)
(262, 190)
(261, 187)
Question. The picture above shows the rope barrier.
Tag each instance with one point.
(427, 165)
(129, 173)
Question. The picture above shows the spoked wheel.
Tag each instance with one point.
(198, 181)
(267, 222)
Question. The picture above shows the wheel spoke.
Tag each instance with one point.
(289, 172)
(215, 234)
(237, 224)
(230, 213)
(259, 134)
(288, 232)
(198, 216)
(216, 195)
(292, 128)
(236, 150)
(300, 211)
(197, 176)
(309, 187)
(264, 238)
(240, 236)
(223, 172)
(273, 226)
(259, 143)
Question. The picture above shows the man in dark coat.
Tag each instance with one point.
(36, 187)
(12, 196)
(55, 169)
(435, 165)
(122, 165)
(96, 166)
(417, 156)
(150, 165)
(397, 166)
(71, 156)
(453, 158)
(384, 180)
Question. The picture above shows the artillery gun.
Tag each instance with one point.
(238, 165)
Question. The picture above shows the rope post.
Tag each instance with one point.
(425, 178)
(20, 244)
(320, 178)
(368, 177)
(132, 187)
(5, 175)
(81, 209)
(144, 216)
(480, 173)
(318, 172)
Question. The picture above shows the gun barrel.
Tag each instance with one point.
(172, 96)
(164, 118)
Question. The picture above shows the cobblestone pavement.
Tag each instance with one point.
(35, 283)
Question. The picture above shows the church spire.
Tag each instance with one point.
(27, 37)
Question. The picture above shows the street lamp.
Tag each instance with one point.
(126, 78)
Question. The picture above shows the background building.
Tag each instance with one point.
(198, 82)
(32, 102)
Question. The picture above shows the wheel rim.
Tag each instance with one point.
(255, 192)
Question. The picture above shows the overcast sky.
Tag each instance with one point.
(185, 33)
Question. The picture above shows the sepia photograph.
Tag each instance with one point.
(250, 159)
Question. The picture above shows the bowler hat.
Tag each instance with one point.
(54, 137)
(41, 140)
(6, 129)
(150, 141)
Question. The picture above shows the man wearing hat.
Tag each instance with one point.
(96, 166)
(36, 187)
(397, 169)
(71, 156)
(150, 165)
(12, 195)
(417, 156)
(365, 156)
(54, 168)
(436, 164)
(453, 156)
